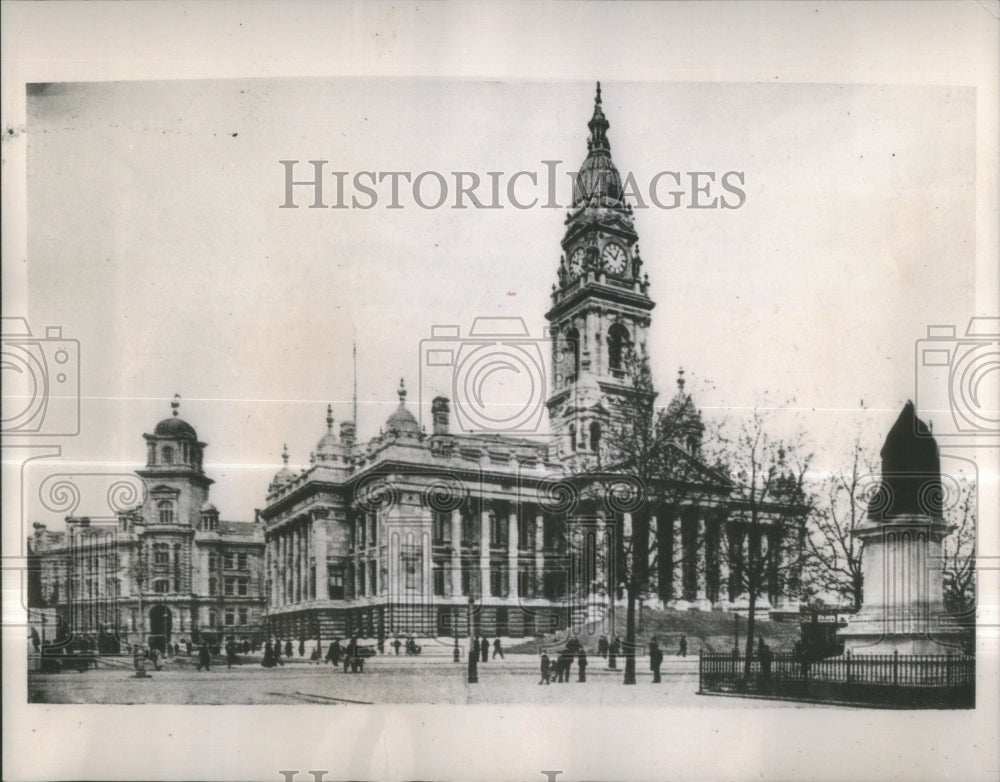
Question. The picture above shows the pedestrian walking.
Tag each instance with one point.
(397, 644)
(613, 650)
(682, 647)
(764, 655)
(230, 653)
(497, 649)
(565, 664)
(655, 660)
(484, 650)
(288, 648)
(545, 669)
(603, 646)
(302, 647)
(204, 658)
(268, 661)
(581, 665)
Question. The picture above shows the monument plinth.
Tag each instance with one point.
(903, 606)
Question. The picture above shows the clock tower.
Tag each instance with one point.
(600, 306)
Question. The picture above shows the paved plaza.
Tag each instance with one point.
(387, 679)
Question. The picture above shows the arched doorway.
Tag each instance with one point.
(160, 623)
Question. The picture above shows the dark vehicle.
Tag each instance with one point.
(367, 651)
(52, 661)
(819, 638)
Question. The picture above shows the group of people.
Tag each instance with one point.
(482, 646)
(560, 669)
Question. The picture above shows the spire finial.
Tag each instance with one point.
(680, 380)
(598, 126)
(176, 403)
(284, 454)
(329, 418)
(402, 392)
(354, 397)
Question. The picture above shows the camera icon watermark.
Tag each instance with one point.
(496, 375)
(41, 381)
(958, 382)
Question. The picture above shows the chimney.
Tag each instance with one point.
(441, 413)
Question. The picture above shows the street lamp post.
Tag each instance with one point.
(455, 654)
(473, 677)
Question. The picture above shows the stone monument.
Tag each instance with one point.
(902, 610)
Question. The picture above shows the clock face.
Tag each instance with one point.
(576, 262)
(614, 258)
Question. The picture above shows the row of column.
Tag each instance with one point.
(292, 551)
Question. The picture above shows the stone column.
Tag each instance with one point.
(512, 551)
(701, 557)
(484, 553)
(455, 520)
(427, 561)
(539, 552)
(722, 559)
(677, 570)
(322, 574)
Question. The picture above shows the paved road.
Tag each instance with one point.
(386, 680)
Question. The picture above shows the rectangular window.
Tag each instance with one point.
(442, 528)
(440, 577)
(244, 615)
(213, 561)
(212, 618)
(243, 587)
(374, 531)
(161, 586)
(213, 586)
(228, 560)
(362, 526)
(230, 586)
(241, 562)
(412, 568)
(361, 578)
(469, 531)
(230, 616)
(336, 583)
(161, 554)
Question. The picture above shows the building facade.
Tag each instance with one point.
(433, 533)
(170, 570)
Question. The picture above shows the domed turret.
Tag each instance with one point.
(402, 422)
(174, 426)
(684, 418)
(328, 449)
(284, 475)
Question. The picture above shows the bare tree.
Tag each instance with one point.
(765, 540)
(833, 552)
(959, 552)
(648, 460)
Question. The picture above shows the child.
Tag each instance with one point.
(545, 669)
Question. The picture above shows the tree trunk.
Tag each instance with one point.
(630, 637)
(751, 621)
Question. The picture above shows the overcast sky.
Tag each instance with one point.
(155, 239)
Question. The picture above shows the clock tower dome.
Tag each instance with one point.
(601, 308)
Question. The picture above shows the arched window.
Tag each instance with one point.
(166, 510)
(595, 436)
(168, 455)
(573, 349)
(619, 344)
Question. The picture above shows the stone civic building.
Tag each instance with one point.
(409, 532)
(169, 570)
